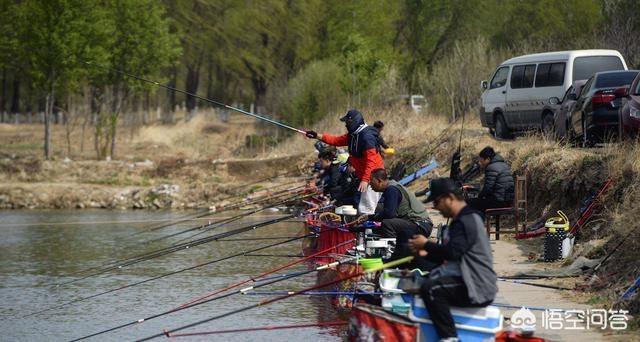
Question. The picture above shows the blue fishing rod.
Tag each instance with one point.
(217, 103)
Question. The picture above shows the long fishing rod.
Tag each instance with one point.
(111, 264)
(198, 303)
(174, 248)
(203, 213)
(230, 206)
(269, 328)
(263, 274)
(536, 285)
(218, 103)
(269, 301)
(215, 224)
(438, 141)
(167, 275)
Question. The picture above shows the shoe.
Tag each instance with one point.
(450, 339)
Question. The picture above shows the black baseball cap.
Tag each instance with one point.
(350, 115)
(440, 187)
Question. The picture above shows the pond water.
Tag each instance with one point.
(41, 248)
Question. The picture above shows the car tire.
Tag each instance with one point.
(586, 142)
(502, 131)
(547, 125)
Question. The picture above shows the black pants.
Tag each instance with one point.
(482, 204)
(403, 230)
(438, 296)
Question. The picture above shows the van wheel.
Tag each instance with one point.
(547, 125)
(502, 131)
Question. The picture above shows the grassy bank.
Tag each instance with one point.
(198, 161)
(560, 177)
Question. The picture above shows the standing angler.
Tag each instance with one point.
(364, 155)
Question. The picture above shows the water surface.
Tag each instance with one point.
(37, 251)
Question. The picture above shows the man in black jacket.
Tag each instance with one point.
(498, 188)
(465, 275)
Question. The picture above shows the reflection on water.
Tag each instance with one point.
(34, 255)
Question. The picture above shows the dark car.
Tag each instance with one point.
(595, 115)
(561, 115)
(629, 114)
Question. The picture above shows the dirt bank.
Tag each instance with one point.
(186, 165)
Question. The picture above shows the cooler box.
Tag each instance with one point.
(473, 324)
(393, 298)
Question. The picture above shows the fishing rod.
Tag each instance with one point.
(277, 327)
(178, 247)
(215, 224)
(536, 285)
(262, 275)
(112, 265)
(118, 264)
(438, 141)
(167, 275)
(273, 300)
(218, 103)
(200, 302)
(230, 206)
(314, 293)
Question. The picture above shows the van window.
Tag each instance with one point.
(516, 77)
(529, 74)
(584, 67)
(522, 76)
(550, 75)
(500, 78)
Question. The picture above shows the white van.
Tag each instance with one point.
(517, 97)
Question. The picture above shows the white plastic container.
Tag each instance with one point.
(567, 246)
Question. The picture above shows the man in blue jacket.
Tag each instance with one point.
(465, 275)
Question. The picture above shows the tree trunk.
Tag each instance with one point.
(168, 117)
(15, 100)
(3, 91)
(210, 94)
(47, 122)
(193, 78)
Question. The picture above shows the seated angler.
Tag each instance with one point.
(402, 214)
(464, 276)
(498, 188)
(331, 172)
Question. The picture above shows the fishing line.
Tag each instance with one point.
(166, 275)
(118, 264)
(176, 248)
(198, 97)
(269, 301)
(200, 301)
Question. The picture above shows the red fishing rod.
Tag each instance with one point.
(226, 295)
(261, 275)
(168, 333)
(272, 327)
